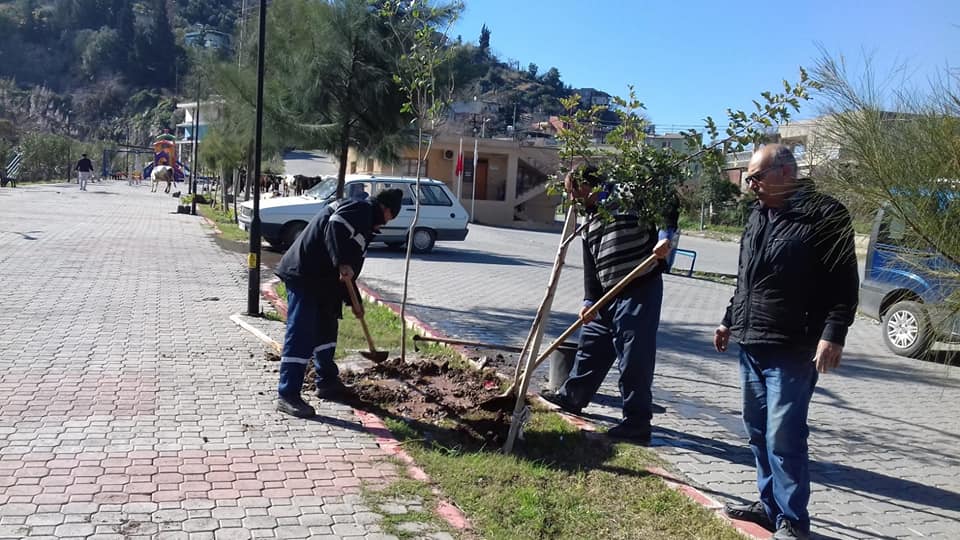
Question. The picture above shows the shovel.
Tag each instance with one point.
(373, 354)
(507, 399)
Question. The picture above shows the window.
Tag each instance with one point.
(357, 191)
(369, 165)
(895, 231)
(434, 196)
(408, 167)
(407, 194)
(353, 167)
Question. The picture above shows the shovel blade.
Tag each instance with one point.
(375, 356)
(504, 402)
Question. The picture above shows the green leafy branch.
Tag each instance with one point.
(644, 179)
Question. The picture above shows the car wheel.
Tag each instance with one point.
(907, 330)
(423, 240)
(291, 231)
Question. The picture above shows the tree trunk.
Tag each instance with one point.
(344, 150)
(250, 167)
(410, 233)
(236, 195)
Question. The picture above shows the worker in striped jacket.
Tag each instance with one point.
(624, 331)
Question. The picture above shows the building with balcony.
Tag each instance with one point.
(207, 113)
(508, 185)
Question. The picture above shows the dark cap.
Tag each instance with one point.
(390, 198)
(589, 174)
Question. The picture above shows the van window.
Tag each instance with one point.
(894, 231)
(434, 196)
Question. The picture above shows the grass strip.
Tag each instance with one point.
(562, 483)
(224, 220)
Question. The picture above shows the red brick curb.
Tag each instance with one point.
(746, 528)
(374, 425)
(268, 291)
(211, 223)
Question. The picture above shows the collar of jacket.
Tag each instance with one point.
(798, 201)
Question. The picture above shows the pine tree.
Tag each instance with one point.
(485, 39)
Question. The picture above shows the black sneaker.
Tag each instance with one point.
(753, 512)
(333, 391)
(560, 401)
(630, 430)
(788, 531)
(295, 407)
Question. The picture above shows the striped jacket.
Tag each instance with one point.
(612, 249)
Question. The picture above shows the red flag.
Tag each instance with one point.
(459, 170)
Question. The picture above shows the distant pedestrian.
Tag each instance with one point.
(84, 170)
(625, 331)
(796, 296)
(325, 258)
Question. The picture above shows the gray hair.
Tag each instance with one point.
(783, 156)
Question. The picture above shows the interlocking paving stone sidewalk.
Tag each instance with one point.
(132, 407)
(885, 430)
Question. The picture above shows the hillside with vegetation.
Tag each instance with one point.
(113, 70)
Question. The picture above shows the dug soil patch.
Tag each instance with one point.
(434, 398)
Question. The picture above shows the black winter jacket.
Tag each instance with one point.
(798, 280)
(338, 234)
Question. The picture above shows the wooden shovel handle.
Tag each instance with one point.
(355, 303)
(597, 306)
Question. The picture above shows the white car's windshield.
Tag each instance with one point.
(323, 190)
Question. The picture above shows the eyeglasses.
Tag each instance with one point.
(759, 176)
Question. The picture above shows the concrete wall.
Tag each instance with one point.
(541, 209)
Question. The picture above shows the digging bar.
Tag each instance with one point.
(466, 343)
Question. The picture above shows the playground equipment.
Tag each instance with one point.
(165, 153)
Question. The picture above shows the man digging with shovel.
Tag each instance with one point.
(317, 270)
(625, 330)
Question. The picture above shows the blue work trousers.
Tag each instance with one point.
(311, 334)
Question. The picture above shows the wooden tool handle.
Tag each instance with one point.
(355, 303)
(597, 306)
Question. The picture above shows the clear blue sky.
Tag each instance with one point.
(693, 58)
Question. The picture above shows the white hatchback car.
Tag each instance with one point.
(442, 217)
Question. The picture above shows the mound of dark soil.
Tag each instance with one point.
(433, 396)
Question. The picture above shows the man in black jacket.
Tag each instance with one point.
(84, 170)
(796, 296)
(625, 331)
(325, 258)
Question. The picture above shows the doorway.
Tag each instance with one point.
(481, 179)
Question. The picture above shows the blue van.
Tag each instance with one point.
(912, 289)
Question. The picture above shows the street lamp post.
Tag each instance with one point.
(253, 258)
(196, 134)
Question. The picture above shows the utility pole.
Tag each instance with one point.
(253, 259)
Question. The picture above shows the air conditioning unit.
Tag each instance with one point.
(448, 154)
